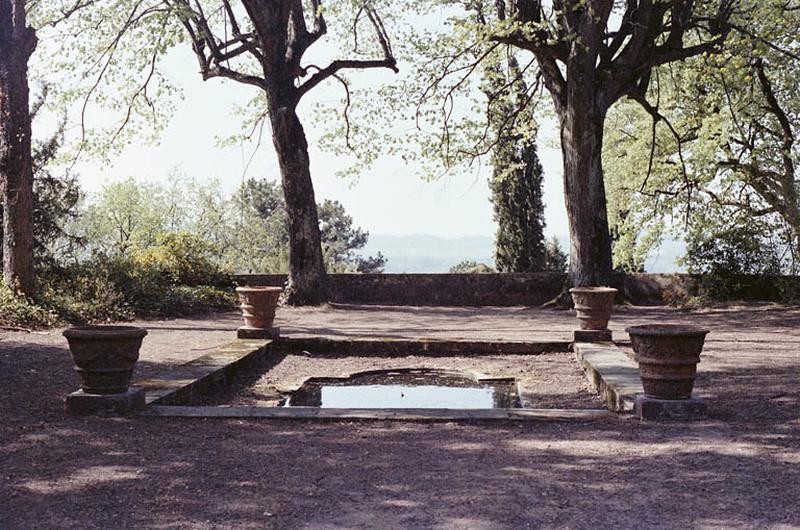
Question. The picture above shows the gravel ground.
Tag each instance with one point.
(739, 469)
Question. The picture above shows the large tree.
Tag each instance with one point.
(724, 147)
(587, 63)
(516, 181)
(277, 37)
(588, 54)
(56, 196)
(259, 43)
(17, 43)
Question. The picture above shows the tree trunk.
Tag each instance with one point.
(17, 43)
(307, 277)
(584, 191)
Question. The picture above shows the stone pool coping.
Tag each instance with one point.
(613, 375)
(610, 372)
(207, 372)
(379, 414)
(390, 347)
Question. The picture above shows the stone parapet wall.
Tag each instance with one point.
(525, 289)
(433, 289)
(657, 288)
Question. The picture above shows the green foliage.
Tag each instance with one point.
(736, 260)
(109, 55)
(371, 264)
(340, 240)
(145, 255)
(516, 182)
(130, 210)
(516, 187)
(16, 311)
(637, 219)
(56, 195)
(84, 292)
(190, 227)
(263, 227)
(725, 137)
(165, 250)
(556, 259)
(111, 288)
(471, 267)
(183, 258)
(117, 57)
(259, 229)
(435, 115)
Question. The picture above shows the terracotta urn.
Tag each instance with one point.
(105, 356)
(594, 306)
(667, 355)
(258, 310)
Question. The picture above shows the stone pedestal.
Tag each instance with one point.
(79, 402)
(245, 332)
(648, 408)
(592, 335)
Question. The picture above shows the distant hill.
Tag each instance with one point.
(664, 260)
(427, 253)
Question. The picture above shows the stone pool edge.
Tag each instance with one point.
(608, 369)
(379, 414)
(184, 382)
(611, 373)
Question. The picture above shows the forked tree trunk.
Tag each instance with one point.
(584, 191)
(17, 43)
(307, 277)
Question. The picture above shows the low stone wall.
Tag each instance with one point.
(528, 289)
(433, 289)
(657, 289)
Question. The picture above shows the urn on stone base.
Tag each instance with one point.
(667, 355)
(594, 306)
(105, 357)
(258, 311)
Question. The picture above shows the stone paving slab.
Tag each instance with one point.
(380, 414)
(183, 382)
(390, 347)
(612, 373)
(80, 402)
(653, 409)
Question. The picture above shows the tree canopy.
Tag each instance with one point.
(721, 147)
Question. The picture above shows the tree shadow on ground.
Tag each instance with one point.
(148, 472)
(739, 469)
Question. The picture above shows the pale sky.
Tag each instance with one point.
(388, 199)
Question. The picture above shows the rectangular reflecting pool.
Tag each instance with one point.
(411, 388)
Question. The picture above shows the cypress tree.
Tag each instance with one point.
(516, 182)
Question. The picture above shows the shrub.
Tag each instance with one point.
(84, 294)
(18, 312)
(471, 267)
(183, 258)
(735, 261)
(186, 299)
(115, 288)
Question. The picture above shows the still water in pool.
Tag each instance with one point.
(407, 389)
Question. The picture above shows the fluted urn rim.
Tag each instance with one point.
(667, 330)
(257, 288)
(589, 290)
(103, 332)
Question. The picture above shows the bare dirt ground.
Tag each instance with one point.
(739, 469)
